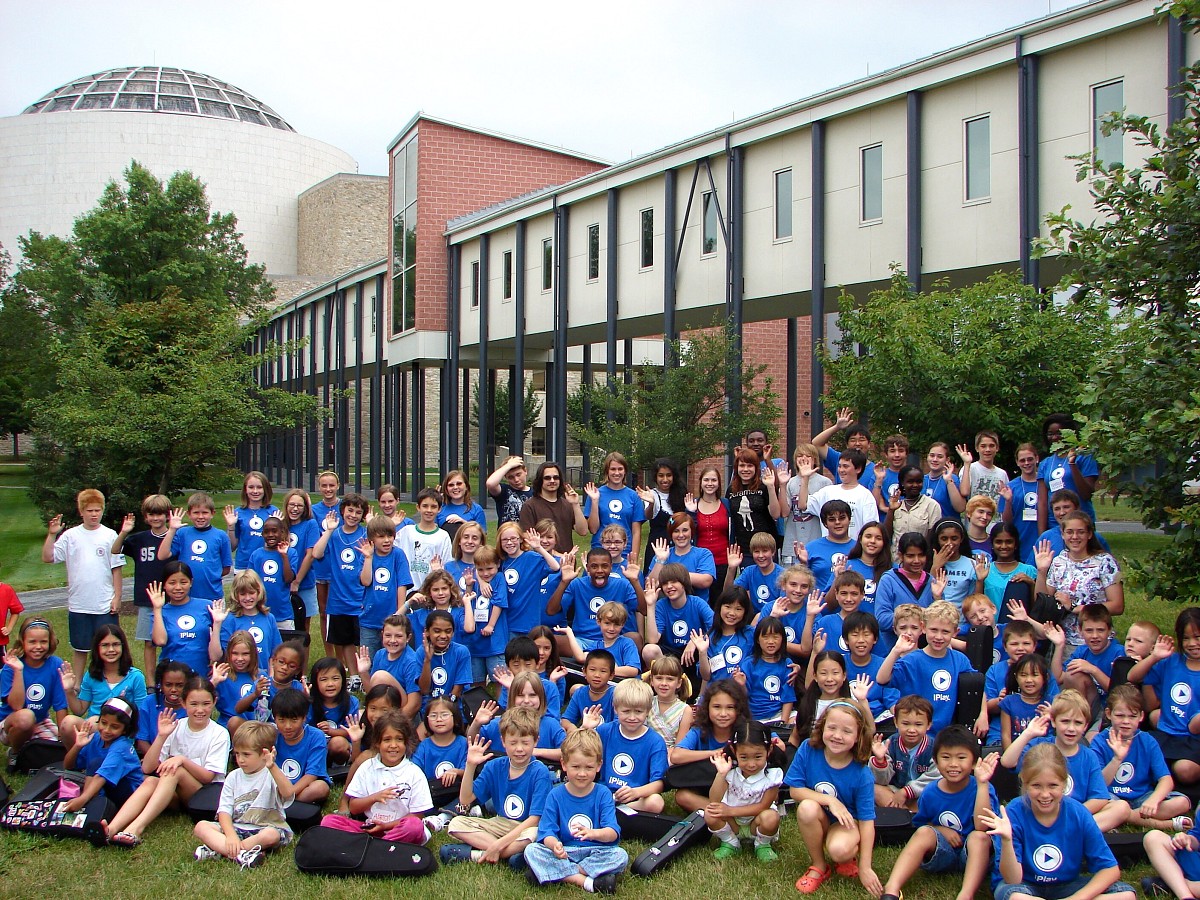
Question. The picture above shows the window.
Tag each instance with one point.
(1107, 99)
(711, 224)
(508, 275)
(475, 285)
(872, 183)
(547, 264)
(404, 238)
(647, 238)
(977, 137)
(593, 252)
(783, 204)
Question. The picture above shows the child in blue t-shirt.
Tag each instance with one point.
(303, 533)
(527, 693)
(581, 598)
(340, 544)
(276, 564)
(952, 553)
(445, 667)
(942, 484)
(299, 747)
(674, 619)
(932, 672)
(731, 639)
(611, 619)
(170, 678)
(860, 631)
(578, 831)
(524, 563)
(1177, 861)
(182, 623)
(387, 579)
(395, 663)
(949, 836)
(332, 706)
(1171, 674)
(247, 611)
(635, 755)
(824, 553)
(239, 682)
(244, 524)
(442, 756)
(760, 579)
(205, 549)
(765, 675)
(515, 786)
(1089, 669)
(1027, 687)
(105, 753)
(597, 690)
(485, 616)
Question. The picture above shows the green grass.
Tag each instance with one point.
(1119, 510)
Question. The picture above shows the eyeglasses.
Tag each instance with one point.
(551, 478)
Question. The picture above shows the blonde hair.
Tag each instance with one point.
(583, 742)
(520, 723)
(669, 666)
(1041, 757)
(862, 744)
(943, 611)
(256, 736)
(247, 580)
(906, 611)
(612, 611)
(1070, 700)
(633, 693)
(797, 569)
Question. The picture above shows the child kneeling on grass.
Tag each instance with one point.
(250, 816)
(950, 836)
(578, 831)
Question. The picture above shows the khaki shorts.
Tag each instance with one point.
(496, 827)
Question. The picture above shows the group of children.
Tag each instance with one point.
(837, 677)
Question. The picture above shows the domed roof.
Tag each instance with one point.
(160, 89)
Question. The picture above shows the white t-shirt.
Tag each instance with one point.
(90, 561)
(373, 776)
(208, 748)
(863, 508)
(253, 802)
(421, 547)
(743, 791)
(987, 482)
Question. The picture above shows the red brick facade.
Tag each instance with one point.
(460, 171)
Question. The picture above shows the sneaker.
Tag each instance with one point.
(455, 853)
(354, 684)
(436, 823)
(606, 884)
(765, 853)
(517, 863)
(252, 858)
(204, 853)
(1155, 887)
(727, 851)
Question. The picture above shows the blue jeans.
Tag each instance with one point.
(1055, 891)
(592, 861)
(371, 638)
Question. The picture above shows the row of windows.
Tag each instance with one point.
(977, 187)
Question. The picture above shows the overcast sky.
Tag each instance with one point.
(612, 79)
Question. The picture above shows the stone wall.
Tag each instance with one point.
(343, 224)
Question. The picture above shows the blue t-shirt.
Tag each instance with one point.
(833, 457)
(1085, 778)
(546, 588)
(468, 512)
(1058, 853)
(405, 668)
(302, 537)
(1178, 690)
(890, 486)
(960, 580)
(697, 561)
(418, 617)
(996, 582)
(993, 683)
(617, 506)
(262, 628)
(230, 691)
(768, 687)
(390, 580)
(248, 532)
(1025, 515)
(794, 623)
(318, 712)
(937, 490)
(852, 784)
(582, 599)
(623, 649)
(148, 714)
(550, 732)
(675, 626)
(523, 575)
(1143, 767)
(631, 762)
(117, 762)
(937, 806)
(207, 553)
(582, 700)
(189, 626)
(1020, 713)
(436, 761)
(823, 554)
(1055, 471)
(763, 589)
(446, 669)
(831, 624)
(880, 697)
(935, 678)
(97, 691)
(269, 566)
(872, 586)
(514, 798)
(479, 644)
(1103, 660)
(346, 590)
(563, 810)
(696, 740)
(305, 757)
(726, 652)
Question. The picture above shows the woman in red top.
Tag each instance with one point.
(712, 521)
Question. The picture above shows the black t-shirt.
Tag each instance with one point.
(142, 548)
(509, 503)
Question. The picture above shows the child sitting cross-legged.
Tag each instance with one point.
(578, 830)
(250, 814)
(635, 755)
(950, 836)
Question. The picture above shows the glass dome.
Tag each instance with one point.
(162, 90)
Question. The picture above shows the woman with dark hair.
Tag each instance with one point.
(664, 499)
(554, 499)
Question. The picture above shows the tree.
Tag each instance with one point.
(26, 369)
(945, 364)
(679, 411)
(153, 306)
(501, 426)
(1141, 402)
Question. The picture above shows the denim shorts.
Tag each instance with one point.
(81, 628)
(945, 857)
(1057, 891)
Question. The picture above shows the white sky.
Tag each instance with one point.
(611, 79)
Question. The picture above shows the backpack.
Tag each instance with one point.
(328, 851)
(36, 808)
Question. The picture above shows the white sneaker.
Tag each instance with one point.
(203, 853)
(354, 684)
(436, 823)
(249, 859)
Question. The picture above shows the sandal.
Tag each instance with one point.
(813, 879)
(125, 839)
(1182, 823)
(847, 869)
